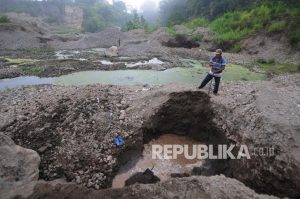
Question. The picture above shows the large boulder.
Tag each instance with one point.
(18, 169)
(112, 52)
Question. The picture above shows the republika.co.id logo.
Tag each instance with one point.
(201, 151)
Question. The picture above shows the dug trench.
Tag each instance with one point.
(188, 116)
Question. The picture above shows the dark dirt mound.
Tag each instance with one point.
(181, 41)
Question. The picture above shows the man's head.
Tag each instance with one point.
(218, 52)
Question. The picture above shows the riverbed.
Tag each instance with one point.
(191, 73)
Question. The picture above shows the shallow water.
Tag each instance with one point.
(24, 81)
(161, 167)
(182, 75)
(132, 77)
(192, 73)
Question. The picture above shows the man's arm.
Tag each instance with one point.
(217, 70)
(224, 62)
(222, 68)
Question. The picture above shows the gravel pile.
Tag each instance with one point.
(72, 129)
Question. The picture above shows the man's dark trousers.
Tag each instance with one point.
(208, 78)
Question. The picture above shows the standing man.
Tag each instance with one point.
(217, 65)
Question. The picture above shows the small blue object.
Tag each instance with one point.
(119, 140)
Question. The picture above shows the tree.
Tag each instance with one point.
(119, 5)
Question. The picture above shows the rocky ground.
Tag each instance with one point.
(58, 67)
(215, 187)
(59, 141)
(37, 42)
(73, 128)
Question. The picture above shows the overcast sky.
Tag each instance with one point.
(136, 4)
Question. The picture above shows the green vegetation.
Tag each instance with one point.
(197, 37)
(8, 89)
(33, 70)
(149, 29)
(232, 20)
(196, 22)
(4, 19)
(40, 51)
(171, 30)
(52, 10)
(101, 14)
(98, 14)
(138, 22)
(276, 68)
(175, 34)
(236, 72)
(17, 61)
(178, 11)
(276, 18)
(235, 48)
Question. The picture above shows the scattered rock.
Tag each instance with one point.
(112, 52)
(214, 187)
(146, 177)
(122, 115)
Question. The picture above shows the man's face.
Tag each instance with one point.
(218, 55)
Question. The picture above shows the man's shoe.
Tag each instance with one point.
(216, 94)
(199, 87)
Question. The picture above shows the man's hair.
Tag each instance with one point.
(219, 51)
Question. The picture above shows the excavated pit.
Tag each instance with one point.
(186, 118)
(188, 114)
(191, 115)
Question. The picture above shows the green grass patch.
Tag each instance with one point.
(294, 35)
(236, 48)
(276, 68)
(277, 17)
(235, 72)
(197, 37)
(277, 26)
(149, 29)
(17, 61)
(179, 36)
(40, 51)
(171, 30)
(4, 19)
(33, 70)
(196, 22)
(7, 89)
